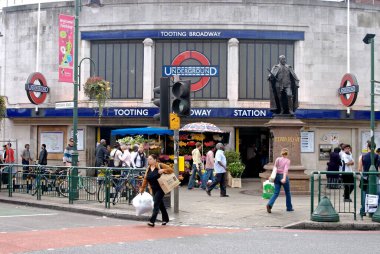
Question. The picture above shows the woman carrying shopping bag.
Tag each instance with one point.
(153, 172)
(282, 164)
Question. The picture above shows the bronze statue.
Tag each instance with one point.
(284, 88)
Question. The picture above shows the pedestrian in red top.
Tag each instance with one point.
(10, 159)
(282, 163)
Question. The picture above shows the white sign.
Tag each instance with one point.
(371, 202)
(64, 105)
(377, 89)
(53, 141)
(80, 138)
(366, 135)
(307, 141)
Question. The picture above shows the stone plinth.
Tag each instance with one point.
(285, 133)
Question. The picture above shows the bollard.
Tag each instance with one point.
(325, 212)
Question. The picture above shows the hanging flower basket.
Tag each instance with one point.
(98, 89)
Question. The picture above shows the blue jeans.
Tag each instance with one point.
(209, 175)
(277, 188)
(193, 175)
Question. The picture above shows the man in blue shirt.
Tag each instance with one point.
(220, 167)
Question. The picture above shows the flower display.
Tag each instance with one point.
(184, 137)
(191, 143)
(209, 143)
(198, 137)
(98, 89)
(181, 143)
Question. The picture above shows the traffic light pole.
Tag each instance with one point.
(176, 169)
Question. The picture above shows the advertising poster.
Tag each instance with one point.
(66, 48)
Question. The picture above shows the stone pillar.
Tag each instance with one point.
(148, 71)
(285, 133)
(85, 51)
(233, 72)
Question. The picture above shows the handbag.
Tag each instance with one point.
(274, 172)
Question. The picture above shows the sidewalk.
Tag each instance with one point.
(244, 208)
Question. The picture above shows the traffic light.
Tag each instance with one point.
(162, 102)
(182, 102)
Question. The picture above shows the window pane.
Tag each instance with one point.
(121, 63)
(255, 58)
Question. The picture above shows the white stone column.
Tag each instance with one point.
(84, 51)
(148, 71)
(233, 72)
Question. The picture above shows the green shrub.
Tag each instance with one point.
(232, 156)
(236, 169)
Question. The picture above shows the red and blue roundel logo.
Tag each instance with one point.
(204, 70)
(36, 93)
(349, 89)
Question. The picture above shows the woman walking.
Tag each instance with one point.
(153, 172)
(282, 163)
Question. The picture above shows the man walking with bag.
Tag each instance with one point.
(220, 167)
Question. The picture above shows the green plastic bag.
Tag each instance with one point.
(268, 189)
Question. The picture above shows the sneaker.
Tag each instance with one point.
(151, 224)
(208, 192)
(269, 209)
(290, 210)
(164, 223)
(347, 200)
(224, 196)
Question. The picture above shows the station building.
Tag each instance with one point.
(224, 47)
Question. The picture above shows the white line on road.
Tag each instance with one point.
(28, 215)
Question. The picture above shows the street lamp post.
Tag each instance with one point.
(369, 39)
(73, 193)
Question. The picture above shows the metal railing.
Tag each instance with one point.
(116, 185)
(334, 190)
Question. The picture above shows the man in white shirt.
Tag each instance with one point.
(220, 167)
(348, 179)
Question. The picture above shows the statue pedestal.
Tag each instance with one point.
(285, 133)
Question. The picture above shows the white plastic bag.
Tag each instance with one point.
(143, 203)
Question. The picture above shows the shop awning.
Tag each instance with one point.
(142, 131)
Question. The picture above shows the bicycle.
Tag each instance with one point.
(49, 180)
(125, 185)
(86, 183)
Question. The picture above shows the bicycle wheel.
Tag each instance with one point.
(64, 188)
(89, 185)
(101, 196)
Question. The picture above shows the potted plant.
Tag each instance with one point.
(234, 164)
(98, 89)
(236, 169)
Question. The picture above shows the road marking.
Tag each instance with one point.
(28, 215)
(88, 245)
(179, 237)
(51, 249)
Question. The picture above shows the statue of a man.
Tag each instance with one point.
(284, 88)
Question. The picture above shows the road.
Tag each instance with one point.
(34, 230)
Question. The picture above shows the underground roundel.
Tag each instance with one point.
(204, 70)
(37, 93)
(349, 89)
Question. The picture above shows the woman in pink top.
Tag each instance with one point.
(282, 164)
